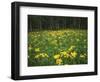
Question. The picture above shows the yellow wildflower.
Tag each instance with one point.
(82, 56)
(46, 55)
(42, 55)
(37, 49)
(66, 56)
(64, 53)
(37, 56)
(56, 56)
(85, 54)
(74, 54)
(71, 48)
(59, 61)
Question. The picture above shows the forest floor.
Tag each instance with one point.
(59, 47)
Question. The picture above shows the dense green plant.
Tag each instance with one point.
(59, 47)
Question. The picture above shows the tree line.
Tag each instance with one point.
(36, 22)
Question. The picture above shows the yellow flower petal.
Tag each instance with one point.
(37, 56)
(59, 61)
(37, 49)
(64, 53)
(56, 56)
(71, 48)
(74, 54)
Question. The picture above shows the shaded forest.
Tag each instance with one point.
(39, 22)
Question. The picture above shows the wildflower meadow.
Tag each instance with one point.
(61, 47)
(57, 40)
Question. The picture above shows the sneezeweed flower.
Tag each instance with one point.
(82, 56)
(52, 34)
(38, 34)
(85, 54)
(59, 61)
(66, 55)
(44, 55)
(71, 48)
(63, 52)
(37, 56)
(35, 36)
(56, 56)
(37, 49)
(41, 55)
(74, 54)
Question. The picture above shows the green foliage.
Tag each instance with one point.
(59, 47)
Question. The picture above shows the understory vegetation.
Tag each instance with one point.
(57, 47)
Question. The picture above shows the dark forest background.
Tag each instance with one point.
(37, 22)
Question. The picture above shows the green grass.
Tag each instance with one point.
(59, 47)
